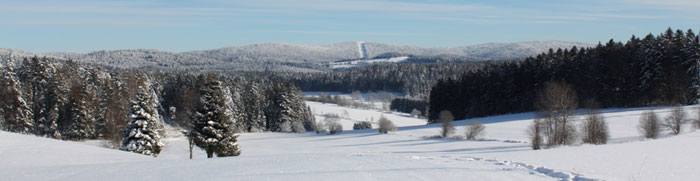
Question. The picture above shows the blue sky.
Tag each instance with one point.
(183, 25)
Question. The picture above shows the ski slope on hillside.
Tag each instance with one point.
(408, 154)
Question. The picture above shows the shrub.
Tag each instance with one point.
(675, 120)
(446, 119)
(298, 127)
(416, 113)
(474, 130)
(595, 129)
(286, 127)
(334, 125)
(535, 134)
(385, 125)
(649, 125)
(320, 127)
(362, 125)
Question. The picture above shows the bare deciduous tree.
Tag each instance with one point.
(555, 103)
(535, 134)
(474, 130)
(385, 125)
(675, 120)
(334, 126)
(595, 129)
(446, 119)
(649, 124)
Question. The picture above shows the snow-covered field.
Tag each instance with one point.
(354, 63)
(408, 154)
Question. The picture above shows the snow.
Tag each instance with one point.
(354, 63)
(408, 154)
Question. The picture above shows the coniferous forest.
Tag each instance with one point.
(644, 71)
(73, 101)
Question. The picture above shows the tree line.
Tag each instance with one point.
(73, 101)
(654, 70)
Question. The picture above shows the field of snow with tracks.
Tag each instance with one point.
(411, 153)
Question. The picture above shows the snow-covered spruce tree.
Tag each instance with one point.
(142, 134)
(41, 73)
(254, 101)
(16, 110)
(691, 52)
(213, 125)
(286, 105)
(237, 110)
(81, 119)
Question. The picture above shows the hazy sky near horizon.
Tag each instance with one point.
(184, 25)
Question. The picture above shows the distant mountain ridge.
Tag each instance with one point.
(292, 57)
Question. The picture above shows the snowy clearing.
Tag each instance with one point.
(408, 154)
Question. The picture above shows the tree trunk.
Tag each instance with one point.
(191, 147)
(210, 153)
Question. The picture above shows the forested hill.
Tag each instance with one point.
(291, 57)
(647, 71)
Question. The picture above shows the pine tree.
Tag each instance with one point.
(286, 105)
(214, 124)
(16, 110)
(43, 97)
(691, 52)
(142, 134)
(254, 101)
(81, 120)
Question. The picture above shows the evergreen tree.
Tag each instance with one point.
(254, 101)
(214, 124)
(691, 52)
(81, 119)
(144, 125)
(16, 110)
(286, 105)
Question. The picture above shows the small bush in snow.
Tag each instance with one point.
(298, 127)
(696, 119)
(446, 119)
(675, 120)
(362, 125)
(535, 134)
(474, 130)
(649, 124)
(385, 125)
(286, 127)
(334, 126)
(320, 127)
(416, 113)
(595, 129)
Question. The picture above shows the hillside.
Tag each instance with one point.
(291, 57)
(410, 154)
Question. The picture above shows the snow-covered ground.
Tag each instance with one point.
(354, 63)
(408, 154)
